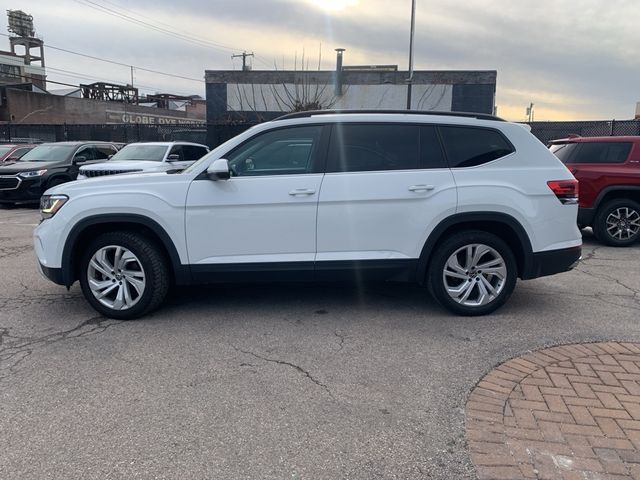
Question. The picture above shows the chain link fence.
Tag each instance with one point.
(207, 134)
(547, 131)
(215, 134)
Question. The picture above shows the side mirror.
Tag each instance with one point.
(174, 157)
(219, 170)
(79, 160)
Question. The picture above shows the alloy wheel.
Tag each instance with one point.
(623, 223)
(474, 275)
(116, 277)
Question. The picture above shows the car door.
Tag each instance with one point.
(264, 217)
(386, 187)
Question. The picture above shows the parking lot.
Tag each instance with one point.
(280, 381)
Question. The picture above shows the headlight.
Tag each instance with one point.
(35, 173)
(50, 204)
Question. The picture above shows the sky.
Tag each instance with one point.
(574, 59)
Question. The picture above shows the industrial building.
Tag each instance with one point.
(257, 95)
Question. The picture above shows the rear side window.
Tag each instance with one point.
(372, 147)
(102, 152)
(564, 151)
(468, 147)
(601, 152)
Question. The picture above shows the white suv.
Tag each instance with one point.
(146, 157)
(463, 203)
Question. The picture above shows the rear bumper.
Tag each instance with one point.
(551, 262)
(585, 216)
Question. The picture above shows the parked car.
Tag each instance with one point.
(46, 166)
(147, 157)
(608, 169)
(13, 152)
(463, 203)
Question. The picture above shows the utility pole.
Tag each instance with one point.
(413, 28)
(530, 112)
(244, 56)
(131, 76)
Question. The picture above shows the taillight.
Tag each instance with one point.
(565, 190)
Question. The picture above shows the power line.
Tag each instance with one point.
(113, 62)
(141, 23)
(171, 27)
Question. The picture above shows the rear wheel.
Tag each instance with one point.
(617, 223)
(124, 275)
(472, 273)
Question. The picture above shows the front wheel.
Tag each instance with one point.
(617, 223)
(124, 275)
(472, 273)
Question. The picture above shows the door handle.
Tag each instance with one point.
(421, 188)
(301, 191)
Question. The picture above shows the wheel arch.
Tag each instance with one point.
(615, 192)
(89, 227)
(500, 224)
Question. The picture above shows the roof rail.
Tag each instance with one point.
(312, 113)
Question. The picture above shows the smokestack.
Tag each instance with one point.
(338, 89)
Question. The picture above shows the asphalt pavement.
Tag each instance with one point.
(270, 382)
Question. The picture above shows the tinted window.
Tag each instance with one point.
(102, 152)
(177, 150)
(563, 151)
(86, 152)
(362, 148)
(191, 152)
(468, 147)
(602, 152)
(431, 155)
(278, 152)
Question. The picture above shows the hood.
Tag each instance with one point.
(116, 184)
(11, 168)
(145, 165)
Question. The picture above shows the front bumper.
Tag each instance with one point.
(28, 190)
(53, 274)
(542, 264)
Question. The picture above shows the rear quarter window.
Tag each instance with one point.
(472, 146)
(601, 152)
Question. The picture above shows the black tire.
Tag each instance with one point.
(153, 263)
(457, 241)
(609, 209)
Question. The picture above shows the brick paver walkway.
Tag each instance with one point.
(567, 412)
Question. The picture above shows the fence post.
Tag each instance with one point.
(9, 131)
(613, 127)
(138, 131)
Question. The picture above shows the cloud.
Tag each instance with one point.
(571, 62)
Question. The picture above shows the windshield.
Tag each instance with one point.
(48, 153)
(563, 151)
(152, 153)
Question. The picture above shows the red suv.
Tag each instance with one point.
(608, 169)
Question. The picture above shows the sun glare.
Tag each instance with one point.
(333, 5)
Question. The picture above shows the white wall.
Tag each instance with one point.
(278, 98)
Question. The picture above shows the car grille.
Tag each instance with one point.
(101, 173)
(9, 183)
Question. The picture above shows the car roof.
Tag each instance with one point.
(78, 143)
(578, 139)
(18, 145)
(168, 144)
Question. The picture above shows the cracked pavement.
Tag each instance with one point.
(278, 381)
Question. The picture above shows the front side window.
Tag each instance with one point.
(102, 152)
(469, 147)
(193, 152)
(87, 152)
(602, 152)
(373, 147)
(286, 151)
